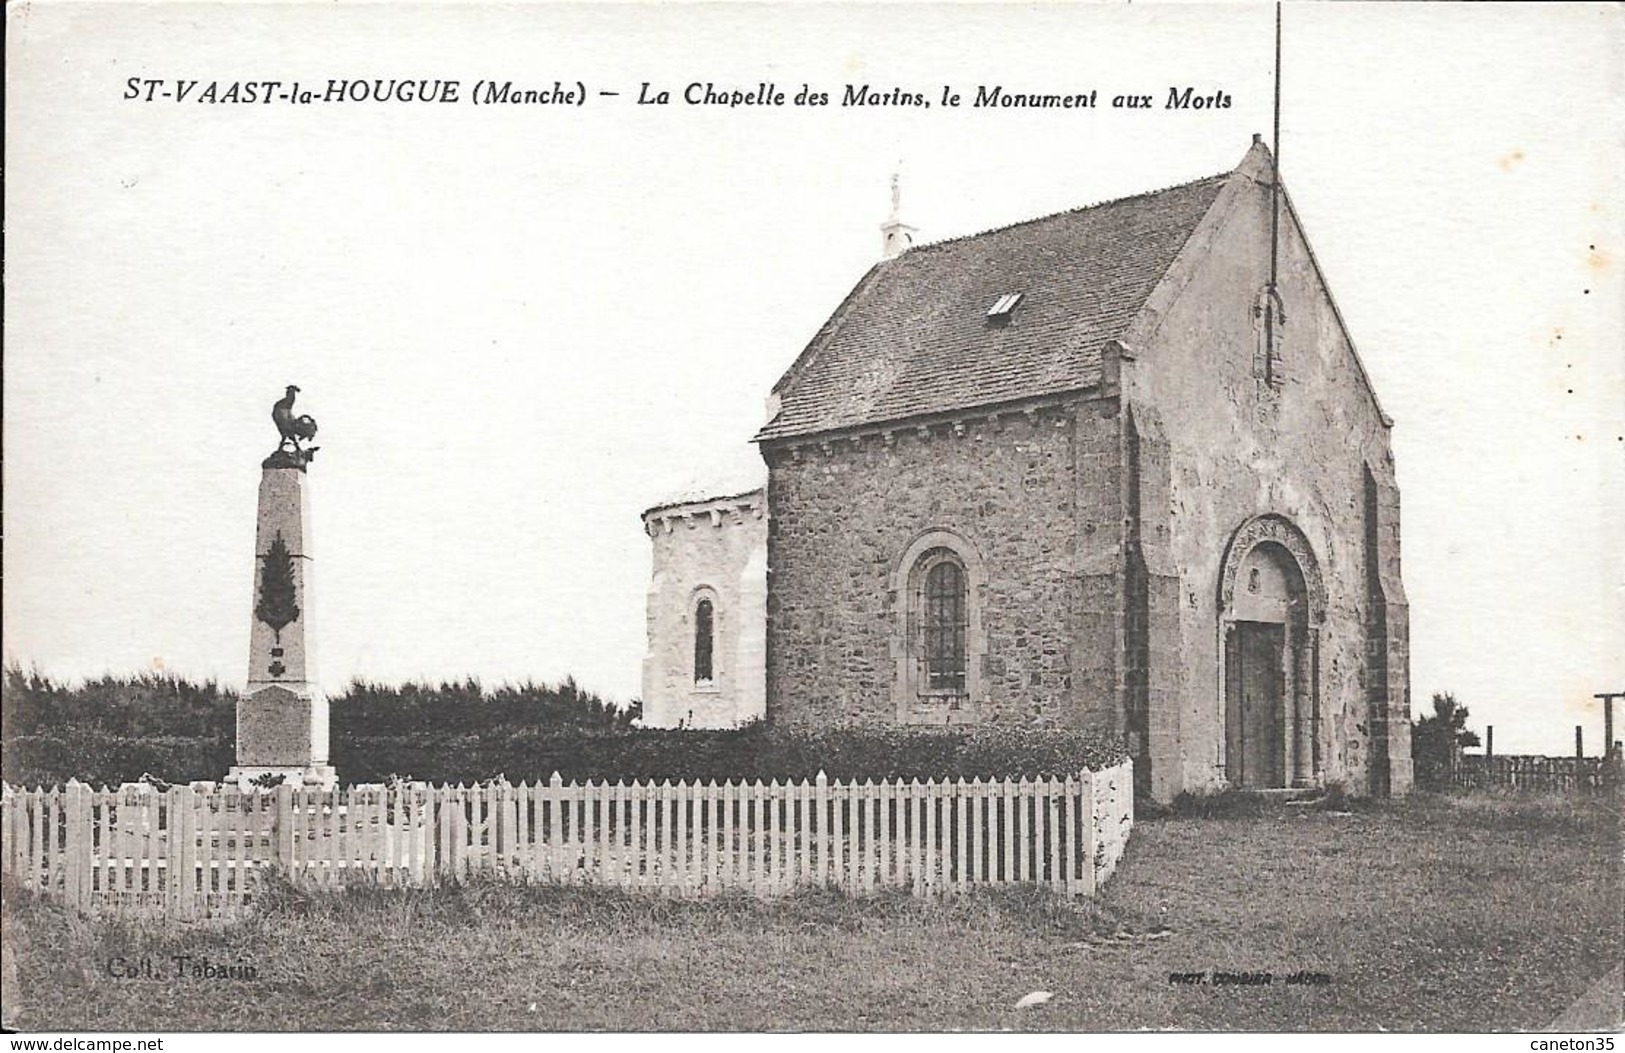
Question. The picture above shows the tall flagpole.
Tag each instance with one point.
(1275, 164)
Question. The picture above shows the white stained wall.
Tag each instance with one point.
(711, 549)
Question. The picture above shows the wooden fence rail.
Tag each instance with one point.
(1522, 772)
(202, 850)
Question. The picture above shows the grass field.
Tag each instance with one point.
(1435, 913)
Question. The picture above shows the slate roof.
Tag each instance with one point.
(913, 337)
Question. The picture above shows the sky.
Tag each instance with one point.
(519, 326)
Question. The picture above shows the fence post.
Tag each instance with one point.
(866, 831)
(8, 832)
(408, 815)
(961, 837)
(343, 807)
(555, 827)
(618, 809)
(637, 824)
(87, 816)
(440, 833)
(883, 852)
(510, 821)
(597, 811)
(47, 806)
(76, 847)
(72, 845)
(1069, 828)
(714, 846)
(527, 828)
(1086, 840)
(244, 844)
(978, 831)
(1024, 831)
(465, 812)
(187, 832)
(39, 858)
(681, 838)
(914, 811)
(495, 798)
(1012, 872)
(930, 855)
(1052, 792)
(206, 828)
(172, 851)
(16, 831)
(729, 836)
(820, 845)
(284, 830)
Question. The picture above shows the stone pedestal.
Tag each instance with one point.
(282, 714)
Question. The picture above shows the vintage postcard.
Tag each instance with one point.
(813, 517)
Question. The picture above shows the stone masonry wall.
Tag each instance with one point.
(1388, 639)
(844, 512)
(1099, 647)
(1238, 446)
(1153, 623)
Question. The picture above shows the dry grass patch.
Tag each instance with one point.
(1436, 913)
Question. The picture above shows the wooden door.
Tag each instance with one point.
(1255, 705)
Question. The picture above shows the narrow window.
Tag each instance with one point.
(702, 642)
(945, 621)
(1269, 319)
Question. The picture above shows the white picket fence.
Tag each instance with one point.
(203, 850)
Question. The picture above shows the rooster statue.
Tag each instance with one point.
(293, 429)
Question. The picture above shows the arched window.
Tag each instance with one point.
(938, 643)
(704, 638)
(944, 618)
(1269, 324)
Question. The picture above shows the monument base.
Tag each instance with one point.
(310, 776)
(281, 727)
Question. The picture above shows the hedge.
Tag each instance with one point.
(153, 705)
(114, 730)
(845, 753)
(105, 758)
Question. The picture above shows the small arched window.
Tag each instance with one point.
(1269, 321)
(945, 618)
(704, 639)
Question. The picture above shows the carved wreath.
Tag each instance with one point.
(278, 604)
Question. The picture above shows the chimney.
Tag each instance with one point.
(896, 237)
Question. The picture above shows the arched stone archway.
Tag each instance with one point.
(1272, 602)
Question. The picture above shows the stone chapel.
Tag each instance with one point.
(1118, 467)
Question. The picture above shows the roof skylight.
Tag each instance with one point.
(1003, 307)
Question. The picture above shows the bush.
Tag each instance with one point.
(466, 707)
(115, 730)
(1438, 739)
(845, 753)
(132, 706)
(111, 730)
(97, 756)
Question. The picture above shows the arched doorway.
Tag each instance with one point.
(1272, 604)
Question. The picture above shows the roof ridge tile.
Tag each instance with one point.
(925, 246)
